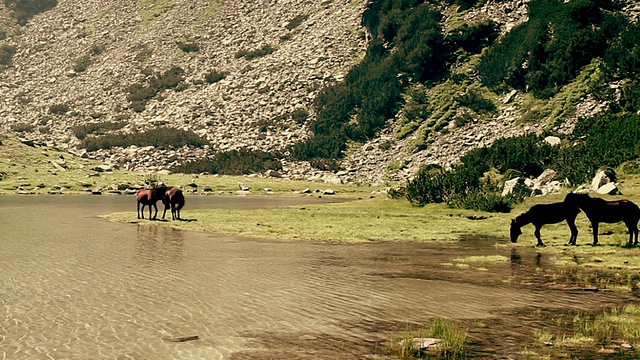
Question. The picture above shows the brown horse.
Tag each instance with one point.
(149, 197)
(542, 214)
(599, 210)
(174, 198)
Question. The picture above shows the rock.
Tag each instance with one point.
(507, 99)
(423, 343)
(609, 189)
(552, 140)
(546, 176)
(515, 186)
(181, 338)
(329, 192)
(332, 179)
(601, 178)
(243, 187)
(273, 174)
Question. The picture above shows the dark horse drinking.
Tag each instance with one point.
(149, 197)
(599, 210)
(542, 214)
(174, 198)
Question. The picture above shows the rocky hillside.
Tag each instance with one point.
(125, 41)
(74, 65)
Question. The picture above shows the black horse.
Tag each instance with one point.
(542, 214)
(599, 210)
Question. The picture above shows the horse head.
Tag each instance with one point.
(514, 231)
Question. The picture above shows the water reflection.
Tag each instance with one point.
(156, 245)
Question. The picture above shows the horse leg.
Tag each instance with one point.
(537, 234)
(574, 231)
(594, 226)
(173, 212)
(139, 210)
(165, 211)
(155, 216)
(633, 232)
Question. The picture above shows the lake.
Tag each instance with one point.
(76, 286)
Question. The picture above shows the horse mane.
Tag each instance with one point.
(523, 219)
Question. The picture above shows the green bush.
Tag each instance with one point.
(6, 54)
(234, 162)
(214, 76)
(162, 137)
(409, 44)
(22, 127)
(59, 109)
(630, 98)
(188, 46)
(549, 50)
(473, 37)
(605, 140)
(24, 10)
(296, 21)
(140, 94)
(82, 63)
(252, 54)
(81, 131)
(622, 59)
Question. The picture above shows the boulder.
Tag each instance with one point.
(609, 189)
(600, 179)
(516, 186)
(552, 140)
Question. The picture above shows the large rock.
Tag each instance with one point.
(516, 186)
(608, 189)
(599, 180)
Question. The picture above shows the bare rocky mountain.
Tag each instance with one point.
(74, 64)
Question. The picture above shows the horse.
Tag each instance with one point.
(149, 197)
(174, 198)
(600, 210)
(542, 214)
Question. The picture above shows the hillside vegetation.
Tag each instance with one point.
(443, 99)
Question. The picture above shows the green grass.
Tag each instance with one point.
(604, 331)
(379, 219)
(452, 346)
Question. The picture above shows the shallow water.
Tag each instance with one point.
(76, 286)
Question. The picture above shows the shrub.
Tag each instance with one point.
(472, 37)
(550, 49)
(622, 59)
(97, 49)
(234, 162)
(6, 54)
(188, 46)
(24, 10)
(605, 140)
(59, 109)
(81, 131)
(22, 127)
(162, 137)
(214, 76)
(140, 94)
(82, 63)
(630, 99)
(252, 54)
(408, 46)
(296, 21)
